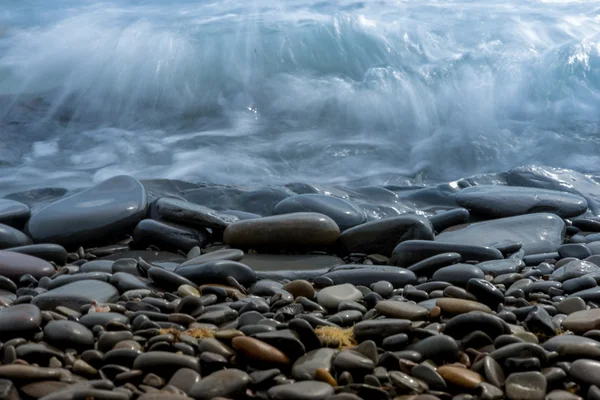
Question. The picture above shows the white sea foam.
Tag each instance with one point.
(276, 91)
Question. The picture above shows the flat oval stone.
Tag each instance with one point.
(526, 385)
(111, 207)
(45, 251)
(378, 329)
(283, 231)
(228, 383)
(587, 371)
(102, 318)
(223, 254)
(300, 287)
(307, 390)
(412, 251)
(582, 321)
(573, 347)
(68, 334)
(19, 320)
(306, 366)
(191, 214)
(461, 325)
(257, 350)
(76, 294)
(577, 250)
(218, 272)
(167, 279)
(11, 237)
(165, 364)
(428, 266)
(460, 306)
(457, 274)
(345, 214)
(14, 265)
(331, 297)
(368, 275)
(500, 267)
(168, 236)
(498, 201)
(460, 376)
(382, 236)
(439, 348)
(574, 269)
(403, 310)
(446, 219)
(538, 233)
(28, 372)
(13, 213)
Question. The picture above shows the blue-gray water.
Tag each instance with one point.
(270, 91)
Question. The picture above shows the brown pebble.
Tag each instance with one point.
(455, 306)
(300, 287)
(460, 376)
(323, 374)
(260, 351)
(435, 312)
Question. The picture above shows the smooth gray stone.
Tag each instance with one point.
(62, 280)
(21, 319)
(587, 371)
(124, 282)
(461, 325)
(563, 180)
(526, 386)
(440, 348)
(68, 335)
(345, 214)
(538, 233)
(577, 250)
(457, 274)
(306, 366)
(412, 251)
(592, 294)
(217, 272)
(76, 294)
(11, 237)
(190, 214)
(224, 254)
(169, 236)
(306, 390)
(228, 383)
(535, 259)
(428, 266)
(260, 201)
(14, 265)
(13, 213)
(111, 207)
(498, 201)
(47, 251)
(368, 275)
(573, 347)
(289, 262)
(501, 267)
(168, 280)
(449, 218)
(164, 364)
(102, 318)
(381, 237)
(97, 266)
(574, 269)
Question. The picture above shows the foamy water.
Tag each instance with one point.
(270, 91)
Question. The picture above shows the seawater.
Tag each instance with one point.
(270, 91)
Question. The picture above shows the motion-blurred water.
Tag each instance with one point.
(271, 91)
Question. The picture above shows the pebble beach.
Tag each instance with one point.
(481, 288)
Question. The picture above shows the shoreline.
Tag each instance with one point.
(130, 290)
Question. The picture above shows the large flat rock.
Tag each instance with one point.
(538, 233)
(499, 201)
(76, 294)
(92, 215)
